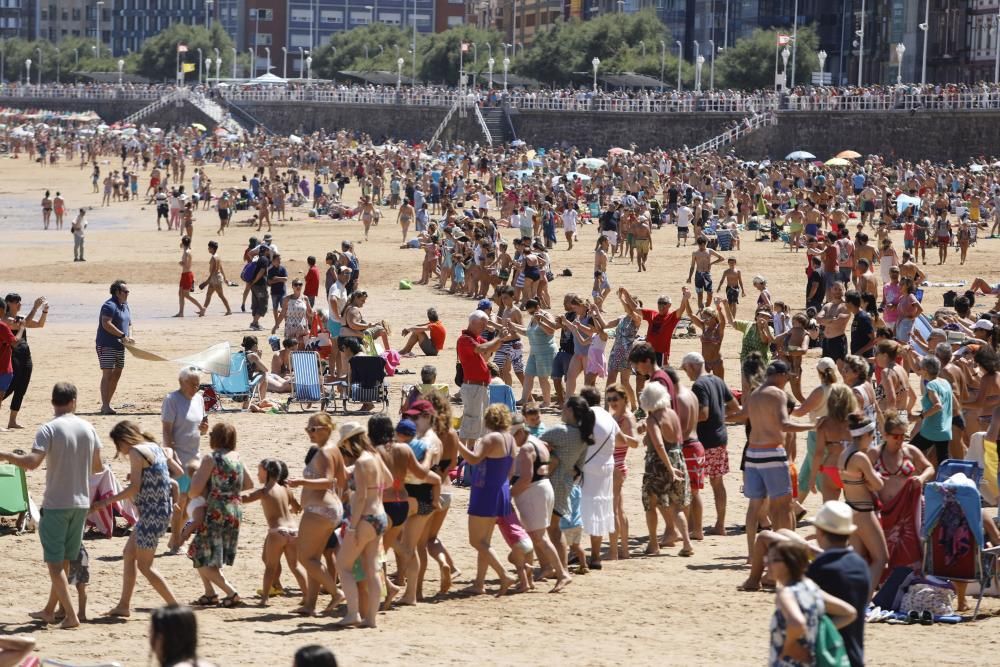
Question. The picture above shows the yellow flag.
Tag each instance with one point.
(187, 67)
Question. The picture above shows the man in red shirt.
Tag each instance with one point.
(311, 290)
(662, 323)
(429, 337)
(473, 351)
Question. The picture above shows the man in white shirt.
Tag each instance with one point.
(684, 214)
(184, 422)
(569, 220)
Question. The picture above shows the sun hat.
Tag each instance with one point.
(835, 517)
(348, 430)
(826, 364)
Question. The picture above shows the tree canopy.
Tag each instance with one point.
(749, 63)
(158, 58)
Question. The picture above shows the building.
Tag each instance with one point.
(69, 18)
(135, 21)
(448, 14)
(19, 18)
(983, 28)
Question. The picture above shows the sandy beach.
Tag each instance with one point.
(643, 611)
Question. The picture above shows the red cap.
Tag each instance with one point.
(419, 407)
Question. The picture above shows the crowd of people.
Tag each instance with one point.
(490, 225)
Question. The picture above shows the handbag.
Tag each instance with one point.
(830, 648)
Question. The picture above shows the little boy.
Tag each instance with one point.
(572, 528)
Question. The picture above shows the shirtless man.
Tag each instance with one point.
(909, 269)
(767, 475)
(187, 279)
(732, 278)
(702, 261)
(864, 251)
(868, 205)
(865, 279)
(224, 206)
(643, 236)
(834, 317)
(694, 453)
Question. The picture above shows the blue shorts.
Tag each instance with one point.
(333, 327)
(766, 474)
(276, 300)
(560, 365)
(5, 380)
(184, 483)
(703, 281)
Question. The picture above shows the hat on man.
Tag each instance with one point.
(419, 407)
(835, 517)
(406, 427)
(985, 325)
(777, 367)
(484, 304)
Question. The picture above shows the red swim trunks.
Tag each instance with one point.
(187, 281)
(716, 462)
(694, 459)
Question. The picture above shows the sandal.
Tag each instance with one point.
(231, 601)
(206, 601)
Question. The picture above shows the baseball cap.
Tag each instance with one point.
(826, 364)
(484, 304)
(985, 325)
(835, 517)
(406, 427)
(777, 367)
(419, 407)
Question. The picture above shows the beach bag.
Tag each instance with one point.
(246, 275)
(830, 649)
(925, 596)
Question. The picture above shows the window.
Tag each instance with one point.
(297, 39)
(76, 14)
(331, 16)
(455, 20)
(45, 15)
(261, 14)
(423, 20)
(390, 18)
(263, 39)
(300, 16)
(361, 18)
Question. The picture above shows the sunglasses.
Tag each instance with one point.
(313, 429)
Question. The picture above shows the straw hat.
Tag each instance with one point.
(348, 430)
(835, 517)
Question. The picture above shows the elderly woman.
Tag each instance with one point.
(938, 405)
(323, 481)
(223, 478)
(353, 330)
(540, 332)
(149, 489)
(493, 457)
(296, 313)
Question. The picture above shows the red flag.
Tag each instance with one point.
(465, 47)
(784, 39)
(182, 48)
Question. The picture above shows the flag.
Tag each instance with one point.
(187, 67)
(784, 39)
(465, 47)
(182, 48)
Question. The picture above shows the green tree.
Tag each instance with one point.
(56, 62)
(439, 55)
(358, 50)
(749, 63)
(158, 58)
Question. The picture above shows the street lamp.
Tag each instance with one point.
(642, 45)
(58, 66)
(39, 52)
(309, 66)
(371, 14)
(27, 71)
(208, 71)
(861, 44)
(199, 65)
(900, 50)
(711, 67)
(821, 56)
(680, 61)
(284, 63)
(475, 53)
(267, 52)
(302, 63)
(596, 62)
(234, 61)
(253, 62)
(996, 47)
(621, 6)
(506, 64)
(491, 62)
(699, 62)
(399, 74)
(76, 59)
(489, 47)
(97, 42)
(218, 64)
(208, 17)
(925, 27)
(785, 55)
(121, 66)
(663, 61)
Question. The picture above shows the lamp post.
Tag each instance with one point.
(267, 52)
(490, 63)
(711, 67)
(475, 53)
(861, 43)
(121, 67)
(680, 61)
(596, 62)
(506, 64)
(208, 17)
(399, 74)
(302, 63)
(97, 41)
(785, 55)
(284, 63)
(234, 61)
(699, 62)
(621, 6)
(821, 56)
(642, 45)
(663, 61)
(58, 66)
(366, 51)
(76, 59)
(253, 62)
(27, 71)
(218, 62)
(199, 66)
(309, 67)
(900, 50)
(489, 48)
(371, 14)
(381, 50)
(795, 41)
(208, 71)
(39, 52)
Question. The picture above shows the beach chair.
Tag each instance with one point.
(14, 494)
(307, 385)
(410, 392)
(953, 535)
(724, 240)
(503, 394)
(368, 384)
(49, 662)
(237, 385)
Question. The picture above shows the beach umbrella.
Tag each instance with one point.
(837, 162)
(571, 176)
(517, 143)
(849, 155)
(976, 168)
(800, 155)
(619, 151)
(591, 163)
(293, 139)
(905, 201)
(199, 126)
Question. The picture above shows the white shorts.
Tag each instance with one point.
(535, 505)
(475, 400)
(612, 237)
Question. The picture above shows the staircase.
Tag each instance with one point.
(244, 120)
(745, 127)
(169, 98)
(444, 123)
(495, 124)
(216, 112)
(487, 133)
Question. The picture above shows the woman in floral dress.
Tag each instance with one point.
(223, 476)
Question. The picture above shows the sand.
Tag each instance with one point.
(664, 610)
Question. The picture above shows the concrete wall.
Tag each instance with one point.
(934, 135)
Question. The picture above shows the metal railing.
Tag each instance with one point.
(482, 124)
(745, 127)
(444, 124)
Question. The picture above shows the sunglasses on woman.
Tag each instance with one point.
(313, 429)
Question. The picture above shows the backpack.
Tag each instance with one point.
(248, 271)
(830, 648)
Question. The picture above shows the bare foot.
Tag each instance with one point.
(749, 586)
(505, 585)
(407, 602)
(43, 616)
(685, 552)
(304, 611)
(698, 536)
(561, 584)
(179, 315)
(14, 426)
(391, 594)
(69, 624)
(474, 590)
(652, 550)
(445, 580)
(119, 612)
(716, 530)
(349, 621)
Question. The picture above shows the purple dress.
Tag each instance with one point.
(490, 482)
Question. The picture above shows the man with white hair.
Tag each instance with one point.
(665, 478)
(715, 402)
(184, 422)
(473, 351)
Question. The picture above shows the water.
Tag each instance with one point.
(20, 213)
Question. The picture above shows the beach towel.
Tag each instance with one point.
(214, 359)
(953, 529)
(900, 521)
(104, 485)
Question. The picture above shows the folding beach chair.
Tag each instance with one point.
(14, 494)
(410, 392)
(953, 535)
(503, 394)
(724, 240)
(236, 385)
(307, 386)
(368, 384)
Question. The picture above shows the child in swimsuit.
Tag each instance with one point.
(278, 503)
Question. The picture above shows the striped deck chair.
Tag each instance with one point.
(307, 385)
